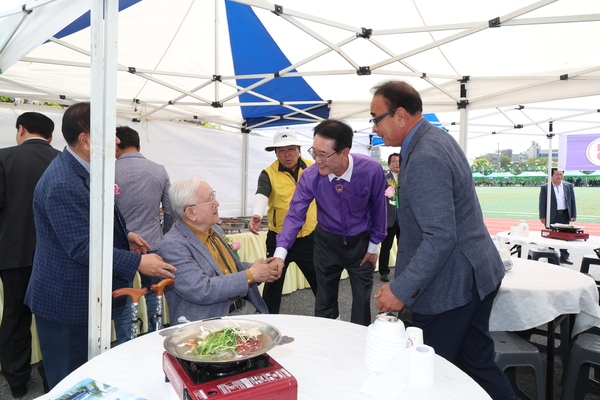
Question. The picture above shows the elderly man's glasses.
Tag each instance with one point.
(211, 202)
(320, 156)
(377, 120)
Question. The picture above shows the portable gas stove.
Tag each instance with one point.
(258, 378)
(565, 235)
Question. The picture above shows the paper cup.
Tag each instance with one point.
(415, 336)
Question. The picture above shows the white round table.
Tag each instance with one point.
(326, 358)
(533, 293)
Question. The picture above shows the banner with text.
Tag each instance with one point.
(579, 152)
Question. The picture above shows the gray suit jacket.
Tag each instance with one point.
(444, 243)
(569, 199)
(143, 188)
(201, 290)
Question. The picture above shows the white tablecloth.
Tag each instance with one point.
(534, 293)
(326, 358)
(535, 238)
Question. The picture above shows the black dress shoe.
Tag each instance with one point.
(19, 391)
(385, 278)
(566, 261)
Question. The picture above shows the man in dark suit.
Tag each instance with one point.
(562, 206)
(393, 229)
(58, 292)
(448, 270)
(21, 167)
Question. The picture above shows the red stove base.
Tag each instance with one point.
(579, 235)
(269, 383)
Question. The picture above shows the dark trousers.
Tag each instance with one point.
(462, 337)
(64, 348)
(393, 232)
(15, 329)
(302, 254)
(331, 257)
(563, 218)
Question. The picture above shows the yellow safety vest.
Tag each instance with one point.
(283, 187)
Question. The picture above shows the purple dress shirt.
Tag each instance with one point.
(345, 208)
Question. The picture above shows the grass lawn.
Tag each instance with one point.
(522, 202)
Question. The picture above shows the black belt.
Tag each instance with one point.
(236, 304)
(561, 211)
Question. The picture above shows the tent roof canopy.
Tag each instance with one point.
(464, 53)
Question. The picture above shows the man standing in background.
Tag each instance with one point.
(143, 189)
(276, 186)
(21, 167)
(563, 209)
(393, 229)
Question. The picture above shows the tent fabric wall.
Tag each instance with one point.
(185, 150)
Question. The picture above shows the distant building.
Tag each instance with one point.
(535, 151)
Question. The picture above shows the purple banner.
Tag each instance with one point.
(579, 152)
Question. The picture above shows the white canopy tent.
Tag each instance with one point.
(174, 63)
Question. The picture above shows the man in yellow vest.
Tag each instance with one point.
(276, 186)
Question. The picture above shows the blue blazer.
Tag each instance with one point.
(59, 287)
(569, 199)
(444, 243)
(201, 289)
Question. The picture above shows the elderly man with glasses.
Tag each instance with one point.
(448, 270)
(210, 280)
(351, 214)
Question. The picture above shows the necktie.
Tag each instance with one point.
(339, 188)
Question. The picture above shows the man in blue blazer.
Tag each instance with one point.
(210, 280)
(448, 270)
(562, 206)
(58, 292)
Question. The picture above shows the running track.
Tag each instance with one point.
(496, 225)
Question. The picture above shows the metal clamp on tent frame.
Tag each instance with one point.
(363, 71)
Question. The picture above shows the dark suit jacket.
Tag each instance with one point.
(201, 290)
(444, 243)
(569, 199)
(59, 287)
(20, 169)
(392, 216)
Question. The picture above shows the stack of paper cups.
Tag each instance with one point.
(422, 366)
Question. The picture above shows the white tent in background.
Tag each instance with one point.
(176, 62)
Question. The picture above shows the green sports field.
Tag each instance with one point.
(522, 203)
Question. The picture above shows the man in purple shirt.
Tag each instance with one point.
(351, 215)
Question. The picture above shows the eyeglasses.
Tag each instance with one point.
(321, 157)
(211, 202)
(377, 120)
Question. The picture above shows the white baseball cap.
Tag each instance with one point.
(285, 137)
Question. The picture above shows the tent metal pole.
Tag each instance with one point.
(102, 172)
(244, 188)
(463, 129)
(549, 185)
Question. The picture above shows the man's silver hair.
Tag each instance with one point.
(183, 193)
